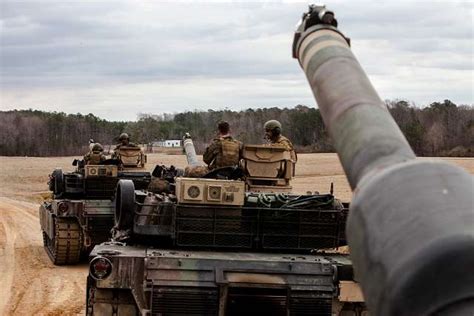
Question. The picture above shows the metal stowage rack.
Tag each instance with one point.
(251, 228)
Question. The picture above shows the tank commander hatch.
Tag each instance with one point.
(95, 156)
(224, 151)
(273, 136)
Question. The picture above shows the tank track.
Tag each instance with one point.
(65, 247)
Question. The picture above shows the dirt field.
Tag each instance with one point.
(31, 285)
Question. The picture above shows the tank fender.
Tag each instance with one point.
(46, 219)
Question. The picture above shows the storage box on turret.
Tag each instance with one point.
(210, 191)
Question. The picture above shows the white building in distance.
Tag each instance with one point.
(167, 143)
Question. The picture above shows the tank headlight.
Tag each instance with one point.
(62, 207)
(100, 268)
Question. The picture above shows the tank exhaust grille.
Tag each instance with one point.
(257, 301)
(310, 303)
(184, 301)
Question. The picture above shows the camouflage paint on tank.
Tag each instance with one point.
(354, 113)
(143, 271)
(409, 220)
(81, 210)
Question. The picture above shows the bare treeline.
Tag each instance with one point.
(440, 129)
(37, 133)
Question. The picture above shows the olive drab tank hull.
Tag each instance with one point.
(152, 281)
(81, 213)
(208, 246)
(71, 228)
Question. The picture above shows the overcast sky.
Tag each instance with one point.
(116, 59)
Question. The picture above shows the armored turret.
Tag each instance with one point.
(411, 222)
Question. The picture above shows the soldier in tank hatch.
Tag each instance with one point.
(224, 151)
(273, 136)
(124, 142)
(95, 156)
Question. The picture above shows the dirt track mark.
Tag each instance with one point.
(37, 286)
(7, 241)
(31, 284)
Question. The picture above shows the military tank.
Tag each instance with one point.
(413, 253)
(410, 226)
(81, 213)
(213, 246)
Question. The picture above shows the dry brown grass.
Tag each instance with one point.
(25, 178)
(32, 285)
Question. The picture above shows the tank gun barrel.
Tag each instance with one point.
(411, 222)
(190, 151)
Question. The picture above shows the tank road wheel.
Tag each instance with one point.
(124, 204)
(65, 246)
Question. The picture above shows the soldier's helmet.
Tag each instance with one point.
(123, 136)
(97, 147)
(223, 127)
(272, 125)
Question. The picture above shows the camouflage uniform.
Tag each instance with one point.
(95, 155)
(223, 152)
(285, 142)
(122, 138)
